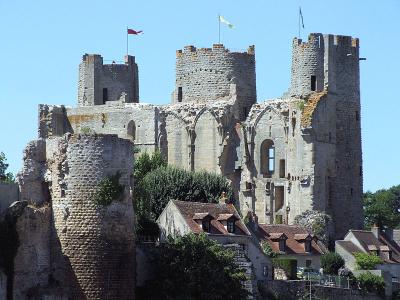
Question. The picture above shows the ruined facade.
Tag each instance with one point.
(283, 156)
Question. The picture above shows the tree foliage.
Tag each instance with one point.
(266, 247)
(371, 283)
(5, 176)
(289, 265)
(367, 261)
(331, 263)
(382, 208)
(165, 183)
(195, 267)
(108, 190)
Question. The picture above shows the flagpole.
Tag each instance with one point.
(127, 40)
(299, 20)
(219, 29)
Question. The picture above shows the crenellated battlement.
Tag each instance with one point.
(216, 49)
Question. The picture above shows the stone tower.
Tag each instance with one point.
(97, 240)
(329, 64)
(99, 83)
(209, 74)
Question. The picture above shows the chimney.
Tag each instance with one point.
(375, 230)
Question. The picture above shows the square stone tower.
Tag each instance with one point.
(99, 83)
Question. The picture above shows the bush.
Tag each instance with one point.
(108, 190)
(195, 267)
(165, 183)
(266, 247)
(367, 261)
(371, 283)
(331, 263)
(289, 265)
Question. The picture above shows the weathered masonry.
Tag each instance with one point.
(284, 157)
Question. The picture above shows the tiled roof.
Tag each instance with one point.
(191, 210)
(293, 246)
(200, 216)
(349, 246)
(371, 243)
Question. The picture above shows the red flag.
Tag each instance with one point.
(131, 31)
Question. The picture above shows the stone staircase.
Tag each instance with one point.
(243, 262)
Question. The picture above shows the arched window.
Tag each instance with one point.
(267, 157)
(131, 130)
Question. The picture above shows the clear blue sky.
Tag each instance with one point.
(42, 43)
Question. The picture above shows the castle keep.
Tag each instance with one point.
(293, 156)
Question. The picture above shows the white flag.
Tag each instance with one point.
(223, 20)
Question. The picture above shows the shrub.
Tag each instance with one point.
(289, 265)
(195, 267)
(367, 261)
(163, 184)
(108, 190)
(371, 283)
(331, 263)
(266, 247)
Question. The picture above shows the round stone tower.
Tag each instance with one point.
(307, 65)
(207, 74)
(97, 240)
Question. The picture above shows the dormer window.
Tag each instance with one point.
(231, 226)
(282, 245)
(307, 245)
(205, 225)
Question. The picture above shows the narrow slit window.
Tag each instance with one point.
(105, 95)
(313, 83)
(180, 94)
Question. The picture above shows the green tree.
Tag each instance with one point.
(194, 267)
(367, 261)
(146, 163)
(266, 247)
(371, 283)
(331, 262)
(5, 176)
(382, 208)
(163, 184)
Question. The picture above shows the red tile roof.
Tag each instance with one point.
(371, 243)
(293, 246)
(217, 211)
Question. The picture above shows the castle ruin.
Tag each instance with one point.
(283, 157)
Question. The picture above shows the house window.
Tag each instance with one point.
(180, 94)
(265, 271)
(267, 157)
(205, 225)
(105, 95)
(313, 82)
(307, 246)
(308, 263)
(282, 245)
(231, 226)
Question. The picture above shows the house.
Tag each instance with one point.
(292, 241)
(374, 241)
(220, 222)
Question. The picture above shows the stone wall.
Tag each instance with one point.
(98, 241)
(295, 289)
(9, 193)
(100, 82)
